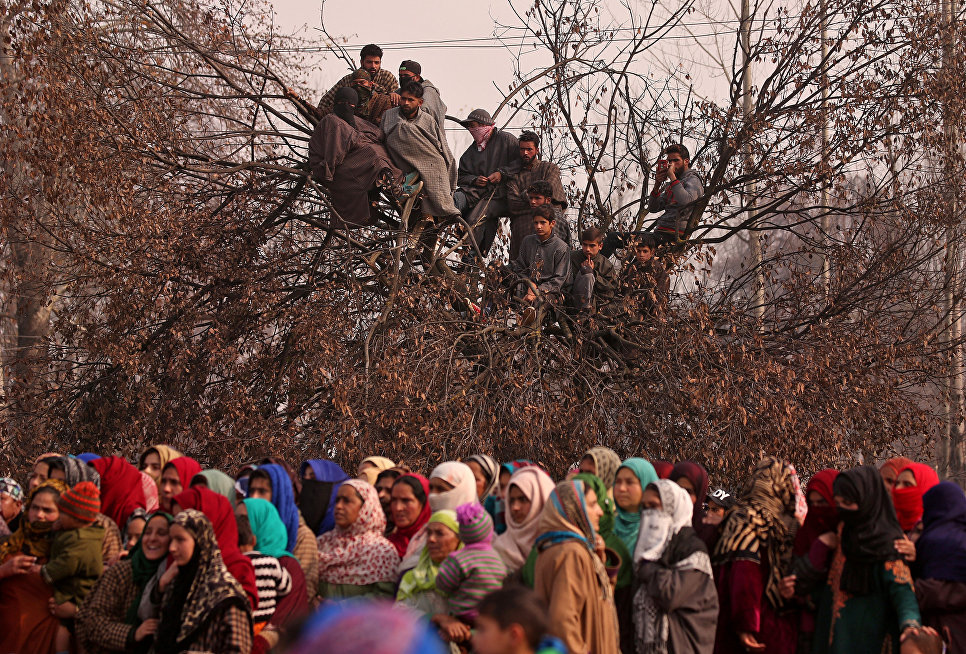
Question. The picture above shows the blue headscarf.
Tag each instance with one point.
(87, 457)
(941, 550)
(283, 497)
(318, 495)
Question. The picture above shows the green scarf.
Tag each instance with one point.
(220, 483)
(606, 529)
(629, 523)
(271, 536)
(422, 578)
(142, 570)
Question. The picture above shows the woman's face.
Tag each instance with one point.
(627, 490)
(182, 545)
(347, 506)
(38, 475)
(588, 465)
(906, 480)
(405, 507)
(440, 541)
(651, 499)
(156, 538)
(480, 479)
(152, 465)
(518, 504)
(44, 508)
(843, 503)
(815, 499)
(504, 482)
(260, 488)
(309, 473)
(170, 485)
(888, 477)
(438, 486)
(134, 530)
(686, 484)
(594, 512)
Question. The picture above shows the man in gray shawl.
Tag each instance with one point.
(416, 141)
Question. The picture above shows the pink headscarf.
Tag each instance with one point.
(481, 135)
(515, 543)
(150, 488)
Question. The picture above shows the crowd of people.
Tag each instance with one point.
(98, 554)
(379, 138)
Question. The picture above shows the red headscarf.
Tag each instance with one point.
(908, 501)
(400, 537)
(819, 519)
(662, 468)
(187, 469)
(121, 489)
(217, 508)
(896, 464)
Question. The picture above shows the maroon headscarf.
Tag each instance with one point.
(819, 519)
(400, 537)
(662, 468)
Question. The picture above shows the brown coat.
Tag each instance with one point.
(580, 614)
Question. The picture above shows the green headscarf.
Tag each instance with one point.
(271, 536)
(220, 483)
(422, 578)
(142, 569)
(629, 522)
(606, 529)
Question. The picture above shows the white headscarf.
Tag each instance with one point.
(659, 526)
(461, 478)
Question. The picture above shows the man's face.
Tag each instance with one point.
(643, 253)
(591, 248)
(528, 152)
(405, 77)
(260, 488)
(372, 64)
(536, 200)
(676, 163)
(542, 227)
(384, 488)
(409, 104)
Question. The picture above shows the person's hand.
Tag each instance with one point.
(786, 587)
(18, 565)
(600, 547)
(749, 642)
(670, 174)
(35, 568)
(394, 98)
(906, 644)
(168, 577)
(481, 181)
(146, 628)
(660, 176)
(906, 548)
(62, 611)
(495, 178)
(829, 539)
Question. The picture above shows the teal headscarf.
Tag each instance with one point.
(629, 523)
(271, 536)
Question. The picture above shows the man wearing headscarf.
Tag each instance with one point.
(348, 157)
(484, 170)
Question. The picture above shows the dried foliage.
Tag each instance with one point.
(172, 273)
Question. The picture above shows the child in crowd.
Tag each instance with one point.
(513, 621)
(75, 561)
(271, 579)
(467, 575)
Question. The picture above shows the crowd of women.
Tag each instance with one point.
(102, 555)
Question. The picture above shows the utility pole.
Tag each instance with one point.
(754, 240)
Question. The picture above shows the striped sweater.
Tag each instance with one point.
(272, 580)
(467, 576)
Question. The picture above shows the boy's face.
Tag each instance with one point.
(542, 227)
(66, 522)
(643, 253)
(591, 248)
(536, 200)
(489, 638)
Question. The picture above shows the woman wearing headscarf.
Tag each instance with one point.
(487, 474)
(320, 483)
(675, 601)
(41, 469)
(121, 488)
(417, 588)
(203, 607)
(355, 559)
(890, 470)
(632, 478)
(270, 540)
(663, 468)
(153, 460)
(451, 485)
(219, 482)
(693, 477)
(152, 499)
(271, 482)
(495, 504)
(913, 481)
(24, 613)
(108, 620)
(527, 493)
(370, 467)
(941, 564)
(602, 462)
(219, 512)
(570, 575)
(74, 471)
(410, 513)
(176, 478)
(869, 600)
(752, 557)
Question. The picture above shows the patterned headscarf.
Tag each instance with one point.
(200, 592)
(9, 486)
(32, 539)
(149, 487)
(565, 519)
(491, 470)
(359, 554)
(763, 519)
(607, 463)
(77, 471)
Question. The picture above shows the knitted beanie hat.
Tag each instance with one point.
(82, 502)
(476, 526)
